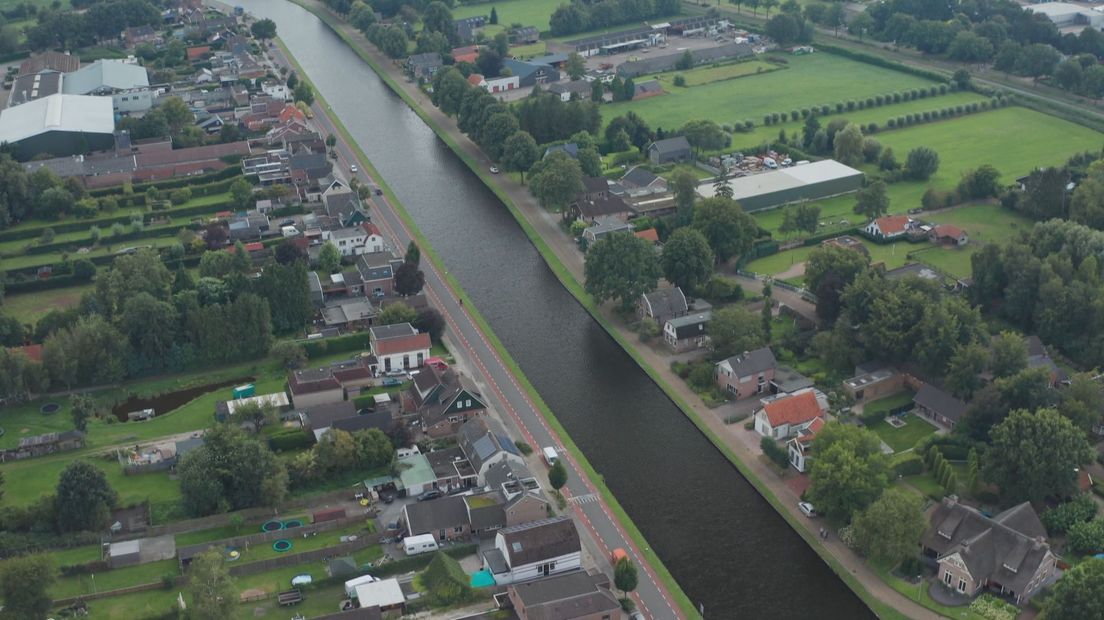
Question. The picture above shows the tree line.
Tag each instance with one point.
(102, 20)
(578, 16)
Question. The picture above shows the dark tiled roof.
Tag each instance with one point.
(940, 402)
(667, 302)
(438, 514)
(568, 596)
(671, 145)
(482, 438)
(381, 420)
(540, 540)
(323, 416)
(638, 177)
(602, 205)
(752, 362)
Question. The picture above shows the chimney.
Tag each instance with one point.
(950, 500)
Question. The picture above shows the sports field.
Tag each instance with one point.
(809, 80)
(524, 12)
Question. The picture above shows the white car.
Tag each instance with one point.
(353, 169)
(494, 169)
(807, 509)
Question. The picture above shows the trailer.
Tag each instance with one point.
(423, 543)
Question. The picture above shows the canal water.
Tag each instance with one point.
(727, 548)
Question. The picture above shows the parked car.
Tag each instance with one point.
(807, 509)
(391, 382)
(398, 372)
(287, 222)
(494, 169)
(428, 495)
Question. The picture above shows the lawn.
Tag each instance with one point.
(904, 438)
(985, 223)
(114, 579)
(808, 80)
(893, 255)
(30, 307)
(919, 593)
(889, 403)
(707, 75)
(524, 12)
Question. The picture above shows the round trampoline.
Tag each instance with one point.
(293, 523)
(272, 526)
(232, 554)
(281, 545)
(49, 408)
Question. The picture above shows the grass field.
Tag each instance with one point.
(808, 80)
(524, 12)
(708, 75)
(29, 307)
(904, 438)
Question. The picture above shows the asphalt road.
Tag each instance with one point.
(590, 510)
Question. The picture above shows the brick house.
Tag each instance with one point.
(575, 596)
(786, 417)
(442, 400)
(745, 375)
(399, 346)
(939, 406)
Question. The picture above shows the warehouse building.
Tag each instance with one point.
(779, 187)
(60, 125)
(1066, 15)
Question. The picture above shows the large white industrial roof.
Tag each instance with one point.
(109, 73)
(1051, 9)
(783, 178)
(58, 112)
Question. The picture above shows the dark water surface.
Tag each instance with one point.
(727, 547)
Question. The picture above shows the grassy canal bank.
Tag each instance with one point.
(882, 609)
(680, 599)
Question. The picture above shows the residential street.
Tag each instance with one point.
(509, 397)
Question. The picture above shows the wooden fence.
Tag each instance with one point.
(302, 558)
(185, 554)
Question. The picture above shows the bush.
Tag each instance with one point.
(291, 439)
(910, 466)
(680, 80)
(1061, 518)
(524, 448)
(720, 288)
(701, 376)
(993, 608)
(911, 567)
(774, 452)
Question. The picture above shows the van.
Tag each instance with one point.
(424, 543)
(550, 455)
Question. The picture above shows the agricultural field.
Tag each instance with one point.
(525, 12)
(30, 307)
(807, 80)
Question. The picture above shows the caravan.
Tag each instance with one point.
(351, 585)
(424, 543)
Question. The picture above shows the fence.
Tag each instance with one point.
(144, 587)
(187, 553)
(302, 558)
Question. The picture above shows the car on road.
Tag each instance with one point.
(807, 509)
(428, 495)
(494, 169)
(353, 169)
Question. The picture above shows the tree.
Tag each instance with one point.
(303, 93)
(1033, 456)
(54, 203)
(784, 29)
(413, 254)
(431, 322)
(230, 471)
(1079, 594)
(624, 575)
(84, 498)
(828, 271)
(872, 201)
(393, 42)
(25, 584)
(91, 351)
(289, 354)
(556, 180)
(887, 161)
(1009, 354)
(1082, 402)
(286, 288)
(729, 230)
(889, 529)
(963, 369)
(495, 131)
(557, 475)
(409, 280)
(621, 267)
(575, 67)
(1087, 203)
(263, 29)
(970, 47)
(921, 163)
(493, 20)
(176, 114)
(684, 184)
(596, 91)
(329, 258)
(82, 407)
(214, 596)
(849, 145)
(705, 135)
(151, 327)
(438, 18)
(734, 330)
(961, 79)
(1069, 74)
(241, 194)
(287, 252)
(1037, 60)
(687, 259)
(520, 152)
(396, 312)
(850, 471)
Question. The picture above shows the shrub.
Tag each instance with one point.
(291, 439)
(824, 110)
(766, 119)
(1063, 517)
(680, 80)
(870, 102)
(774, 452)
(993, 608)
(701, 376)
(794, 115)
(839, 107)
(933, 91)
(804, 112)
(524, 448)
(892, 123)
(910, 466)
(911, 566)
(879, 99)
(850, 105)
(872, 128)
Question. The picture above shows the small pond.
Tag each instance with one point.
(168, 401)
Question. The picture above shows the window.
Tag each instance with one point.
(947, 578)
(406, 361)
(467, 403)
(961, 585)
(458, 529)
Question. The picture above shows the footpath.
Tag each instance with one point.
(845, 562)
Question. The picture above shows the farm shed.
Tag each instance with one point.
(779, 187)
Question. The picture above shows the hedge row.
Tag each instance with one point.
(193, 183)
(881, 62)
(948, 112)
(337, 344)
(418, 562)
(912, 465)
(292, 439)
(817, 239)
(73, 246)
(850, 105)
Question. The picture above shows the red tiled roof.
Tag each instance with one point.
(402, 344)
(648, 235)
(947, 230)
(810, 433)
(475, 79)
(371, 229)
(32, 351)
(291, 112)
(198, 51)
(892, 224)
(793, 410)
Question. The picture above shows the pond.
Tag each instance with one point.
(168, 401)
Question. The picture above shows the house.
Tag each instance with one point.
(565, 90)
(644, 90)
(670, 150)
(320, 418)
(484, 442)
(785, 417)
(352, 241)
(126, 83)
(888, 227)
(531, 73)
(399, 346)
(525, 35)
(310, 387)
(570, 148)
(875, 384)
(465, 28)
(800, 448)
(945, 234)
(596, 202)
(377, 272)
(573, 596)
(501, 84)
(534, 550)
(662, 305)
(468, 53)
(687, 333)
(49, 61)
(641, 182)
(452, 469)
(603, 226)
(422, 67)
(743, 376)
(59, 125)
(342, 204)
(513, 480)
(443, 400)
(1006, 553)
(136, 35)
(938, 406)
(477, 79)
(307, 168)
(445, 518)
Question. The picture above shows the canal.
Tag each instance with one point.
(727, 547)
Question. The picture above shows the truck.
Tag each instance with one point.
(550, 455)
(423, 543)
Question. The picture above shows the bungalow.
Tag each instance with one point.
(534, 550)
(670, 150)
(743, 376)
(513, 479)
(785, 417)
(603, 226)
(662, 305)
(1037, 357)
(445, 518)
(641, 182)
(800, 448)
(320, 418)
(565, 90)
(137, 35)
(573, 596)
(484, 442)
(1006, 553)
(442, 400)
(939, 406)
(888, 227)
(945, 234)
(687, 333)
(399, 346)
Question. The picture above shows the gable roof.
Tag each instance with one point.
(691, 324)
(53, 61)
(793, 410)
(483, 438)
(523, 69)
(566, 597)
(667, 302)
(638, 177)
(670, 145)
(892, 224)
(323, 416)
(938, 401)
(947, 230)
(540, 540)
(391, 346)
(648, 235)
(437, 514)
(594, 185)
(752, 362)
(107, 73)
(381, 420)
(570, 148)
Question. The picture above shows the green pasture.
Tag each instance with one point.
(524, 12)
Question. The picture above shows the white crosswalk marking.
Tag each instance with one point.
(589, 498)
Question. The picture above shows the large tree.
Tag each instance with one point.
(409, 280)
(263, 29)
(1009, 354)
(1079, 594)
(25, 584)
(621, 267)
(520, 152)
(849, 473)
(687, 259)
(89, 352)
(734, 330)
(922, 163)
(872, 201)
(212, 590)
(705, 135)
(848, 144)
(84, 498)
(1035, 455)
(287, 291)
(396, 312)
(684, 184)
(230, 471)
(967, 362)
(150, 325)
(556, 180)
(329, 258)
(142, 272)
(828, 270)
(889, 530)
(729, 230)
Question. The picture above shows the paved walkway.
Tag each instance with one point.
(565, 249)
(651, 596)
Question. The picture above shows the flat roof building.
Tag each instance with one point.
(779, 187)
(59, 125)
